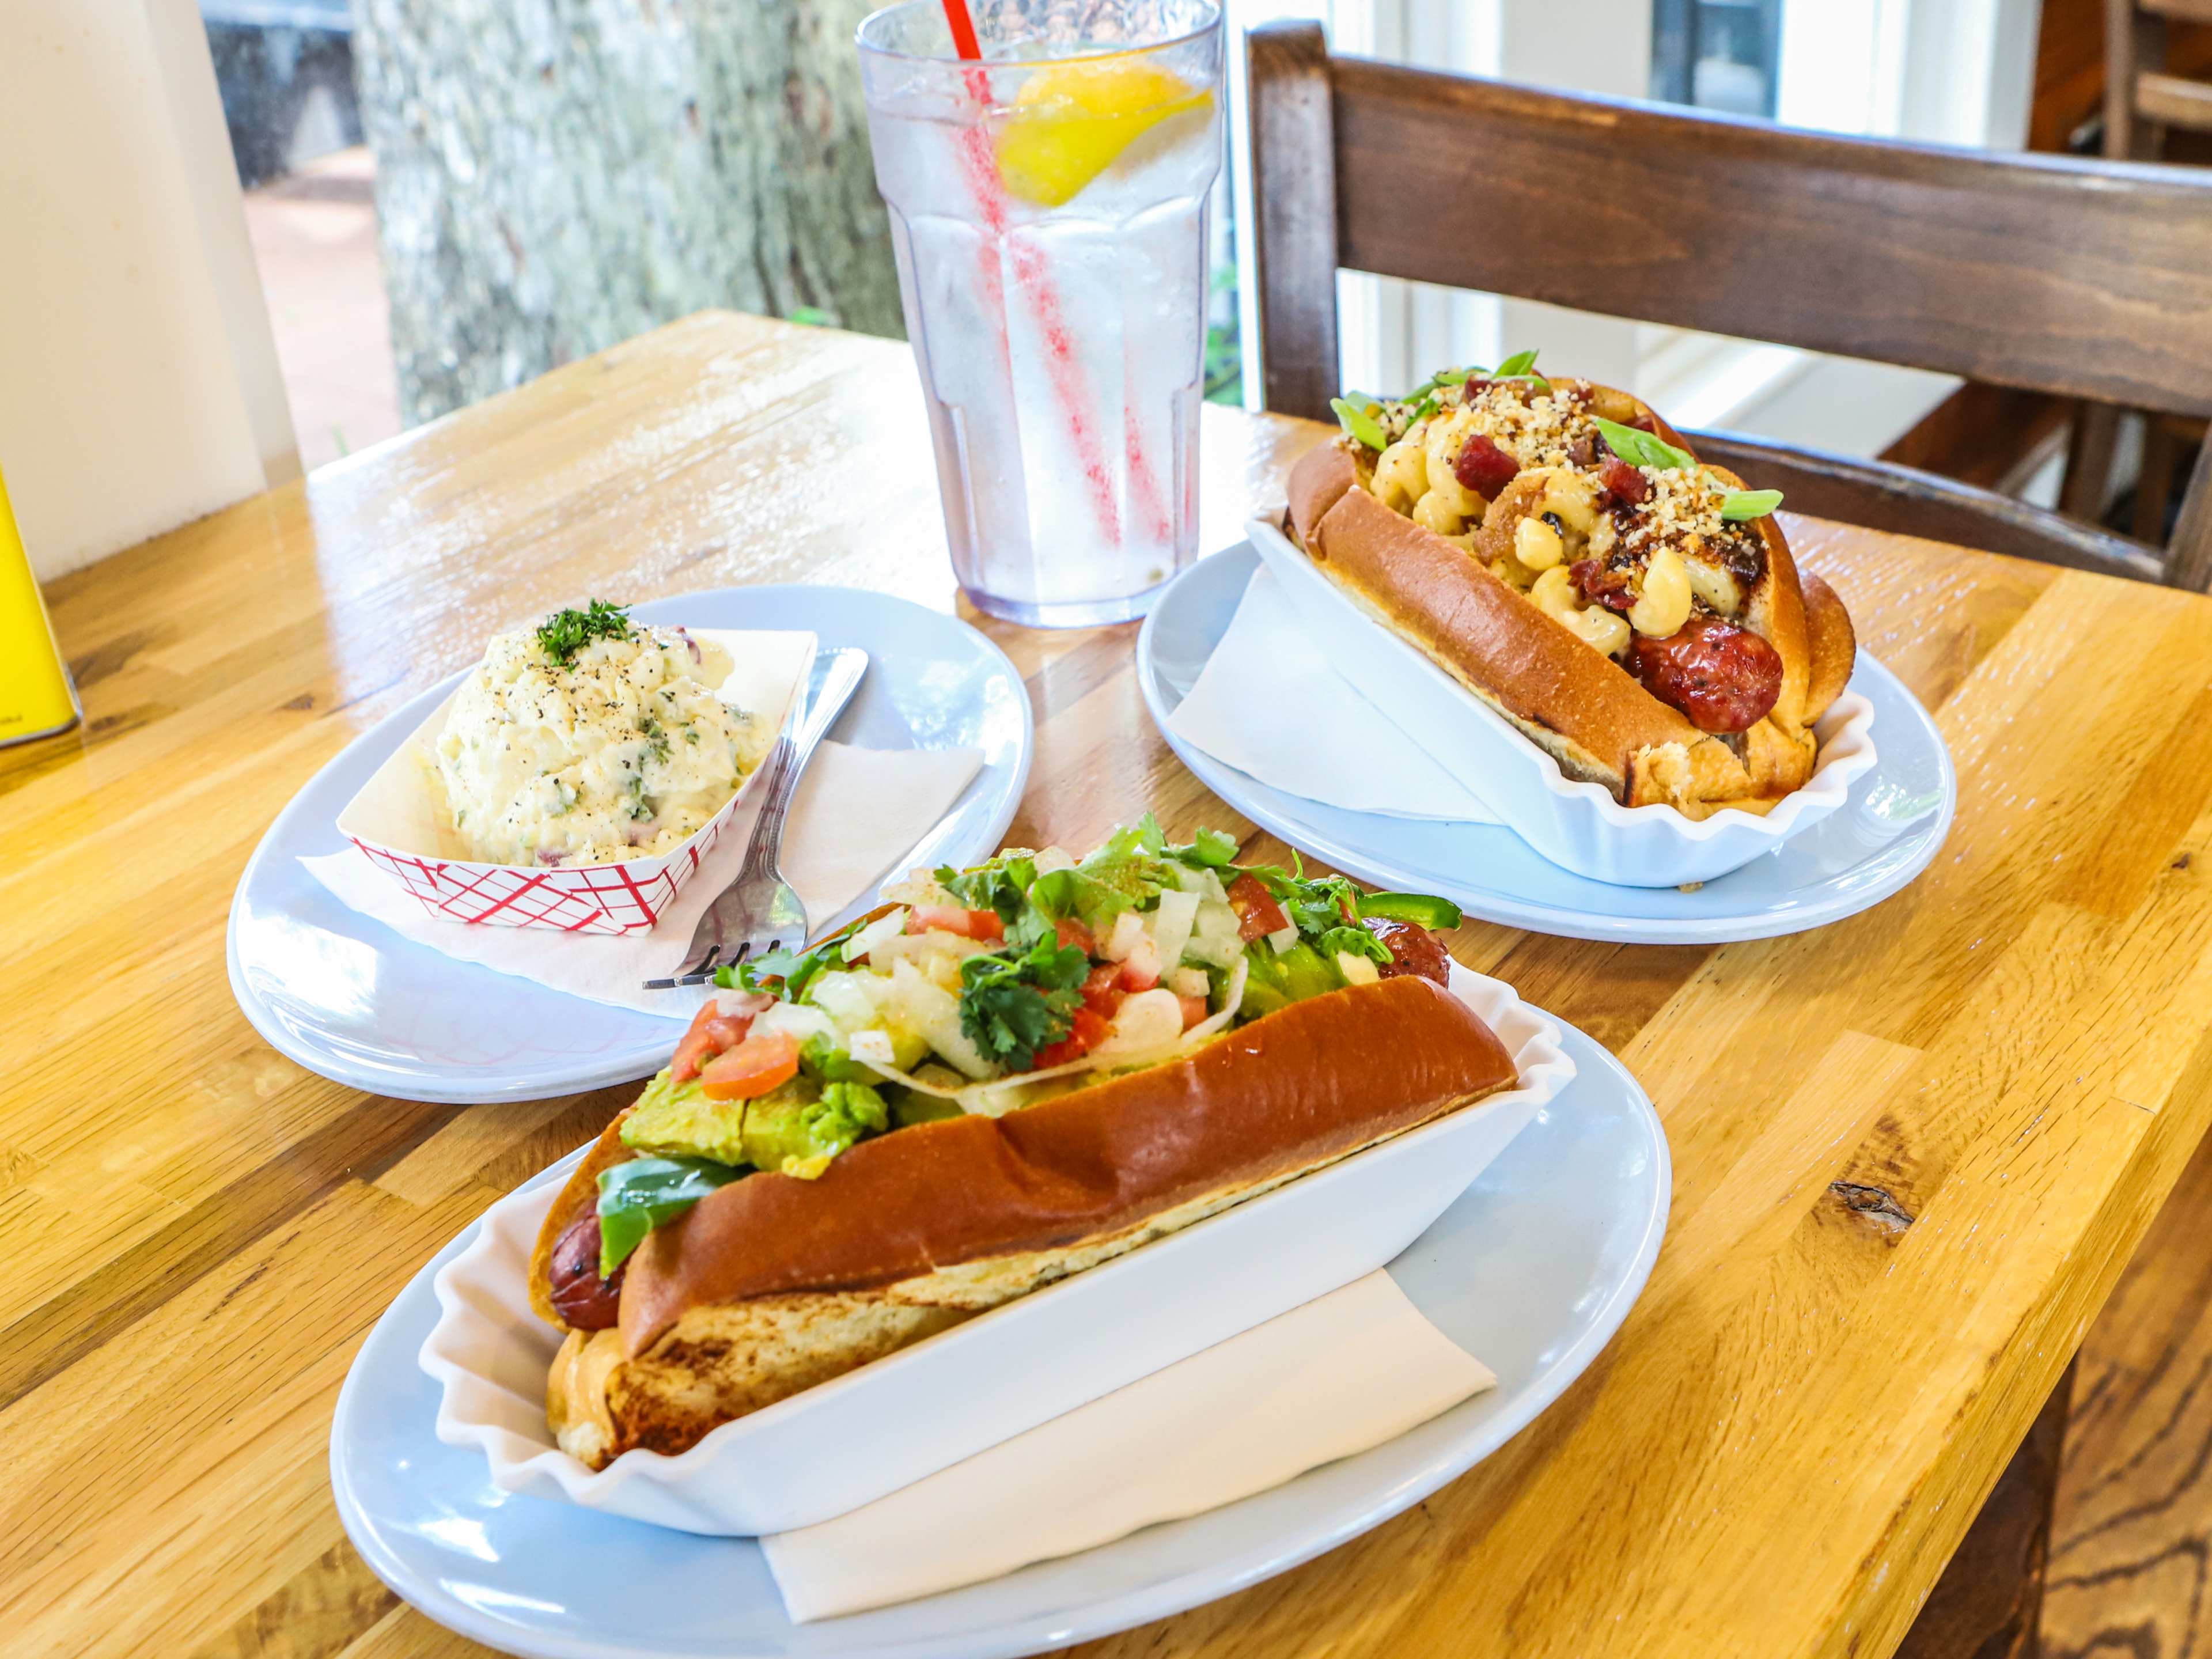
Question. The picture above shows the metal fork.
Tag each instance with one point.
(760, 910)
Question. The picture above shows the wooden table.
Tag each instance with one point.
(1912, 1150)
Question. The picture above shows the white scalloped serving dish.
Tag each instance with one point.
(849, 1442)
(1577, 825)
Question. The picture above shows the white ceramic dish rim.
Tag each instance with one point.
(516, 1464)
(1846, 747)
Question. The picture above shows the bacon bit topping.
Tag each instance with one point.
(1483, 467)
(1623, 482)
(1599, 584)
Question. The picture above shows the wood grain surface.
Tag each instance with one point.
(1913, 1151)
(2131, 1542)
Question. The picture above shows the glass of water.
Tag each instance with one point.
(1049, 204)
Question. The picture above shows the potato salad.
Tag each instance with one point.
(592, 740)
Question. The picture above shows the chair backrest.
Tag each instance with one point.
(2140, 97)
(2090, 280)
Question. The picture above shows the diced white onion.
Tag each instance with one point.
(1356, 971)
(1216, 938)
(1233, 999)
(891, 1073)
(1142, 964)
(872, 1048)
(1147, 1022)
(889, 925)
(1283, 937)
(994, 1095)
(1171, 925)
(1190, 982)
(847, 998)
(797, 1020)
(921, 949)
(1128, 927)
(1052, 858)
(934, 1013)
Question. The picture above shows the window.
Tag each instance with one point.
(1717, 54)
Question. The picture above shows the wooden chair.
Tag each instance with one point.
(2090, 280)
(2142, 102)
(2140, 99)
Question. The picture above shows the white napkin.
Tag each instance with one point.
(1344, 1372)
(855, 815)
(1268, 703)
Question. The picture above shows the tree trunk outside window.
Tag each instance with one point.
(555, 176)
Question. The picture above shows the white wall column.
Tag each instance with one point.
(138, 382)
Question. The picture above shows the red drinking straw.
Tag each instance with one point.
(963, 30)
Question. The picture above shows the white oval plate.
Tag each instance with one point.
(353, 1001)
(1885, 835)
(1532, 1270)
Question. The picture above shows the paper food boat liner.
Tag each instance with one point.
(398, 819)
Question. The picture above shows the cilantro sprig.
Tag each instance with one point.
(1001, 886)
(1013, 1004)
(565, 633)
(784, 972)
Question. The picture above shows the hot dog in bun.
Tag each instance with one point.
(1555, 547)
(1010, 1074)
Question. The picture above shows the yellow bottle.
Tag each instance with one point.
(36, 697)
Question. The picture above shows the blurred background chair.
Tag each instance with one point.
(2087, 280)
(2143, 103)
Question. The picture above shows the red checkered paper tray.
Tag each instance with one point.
(398, 820)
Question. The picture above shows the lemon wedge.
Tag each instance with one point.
(1071, 121)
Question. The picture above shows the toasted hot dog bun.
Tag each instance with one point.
(773, 1284)
(1565, 696)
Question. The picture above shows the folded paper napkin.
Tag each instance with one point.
(1346, 1371)
(1268, 703)
(856, 814)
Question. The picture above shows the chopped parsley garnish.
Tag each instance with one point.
(565, 633)
(1012, 1005)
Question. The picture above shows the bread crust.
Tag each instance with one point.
(772, 1283)
(1832, 643)
(1578, 705)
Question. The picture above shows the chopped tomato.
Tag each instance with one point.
(1088, 1031)
(696, 1045)
(752, 1068)
(1103, 991)
(951, 919)
(713, 1032)
(1072, 931)
(1140, 970)
(1194, 1010)
(1258, 915)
